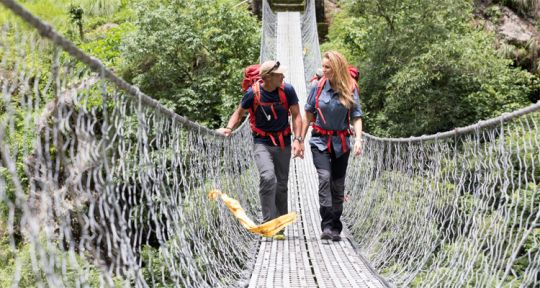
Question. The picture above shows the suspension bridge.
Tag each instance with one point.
(105, 187)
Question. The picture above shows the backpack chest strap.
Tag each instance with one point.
(272, 135)
(257, 99)
(329, 133)
(320, 86)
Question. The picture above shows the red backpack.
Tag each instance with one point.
(253, 79)
(353, 71)
(251, 76)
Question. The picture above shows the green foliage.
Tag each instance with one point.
(153, 268)
(190, 55)
(494, 13)
(18, 142)
(447, 88)
(100, 7)
(529, 8)
(424, 69)
(346, 33)
(124, 15)
(54, 12)
(20, 262)
(106, 44)
(76, 15)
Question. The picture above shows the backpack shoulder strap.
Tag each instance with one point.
(256, 87)
(320, 86)
(283, 96)
(256, 102)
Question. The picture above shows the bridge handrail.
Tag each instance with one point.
(505, 117)
(49, 32)
(97, 66)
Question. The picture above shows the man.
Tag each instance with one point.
(269, 103)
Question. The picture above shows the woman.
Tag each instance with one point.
(332, 106)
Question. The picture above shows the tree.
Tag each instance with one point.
(455, 83)
(76, 15)
(424, 67)
(189, 54)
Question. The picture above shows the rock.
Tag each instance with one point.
(330, 8)
(107, 26)
(515, 29)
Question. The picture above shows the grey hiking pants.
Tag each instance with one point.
(273, 164)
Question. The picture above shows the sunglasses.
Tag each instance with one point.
(273, 68)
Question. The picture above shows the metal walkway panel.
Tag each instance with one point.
(303, 260)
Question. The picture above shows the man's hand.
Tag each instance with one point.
(225, 131)
(358, 147)
(298, 149)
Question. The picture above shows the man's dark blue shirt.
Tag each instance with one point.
(264, 117)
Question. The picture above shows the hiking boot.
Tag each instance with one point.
(335, 236)
(326, 234)
(279, 235)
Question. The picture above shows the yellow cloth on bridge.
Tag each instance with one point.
(267, 229)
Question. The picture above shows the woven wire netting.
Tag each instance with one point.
(269, 33)
(102, 186)
(454, 211)
(458, 209)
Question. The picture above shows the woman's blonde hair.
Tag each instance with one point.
(341, 81)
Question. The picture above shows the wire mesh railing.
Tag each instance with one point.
(454, 209)
(458, 209)
(101, 186)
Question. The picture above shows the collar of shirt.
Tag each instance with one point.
(328, 89)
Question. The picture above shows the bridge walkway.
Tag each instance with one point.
(303, 260)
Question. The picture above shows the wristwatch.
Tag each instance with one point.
(299, 138)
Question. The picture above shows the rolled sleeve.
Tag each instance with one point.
(292, 98)
(310, 103)
(356, 110)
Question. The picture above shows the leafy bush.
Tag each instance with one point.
(447, 88)
(107, 46)
(424, 68)
(190, 55)
(17, 267)
(100, 7)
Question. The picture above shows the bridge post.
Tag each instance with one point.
(294, 5)
(287, 5)
(319, 10)
(256, 7)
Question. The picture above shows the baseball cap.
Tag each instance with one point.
(272, 67)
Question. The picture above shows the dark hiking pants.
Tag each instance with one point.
(331, 172)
